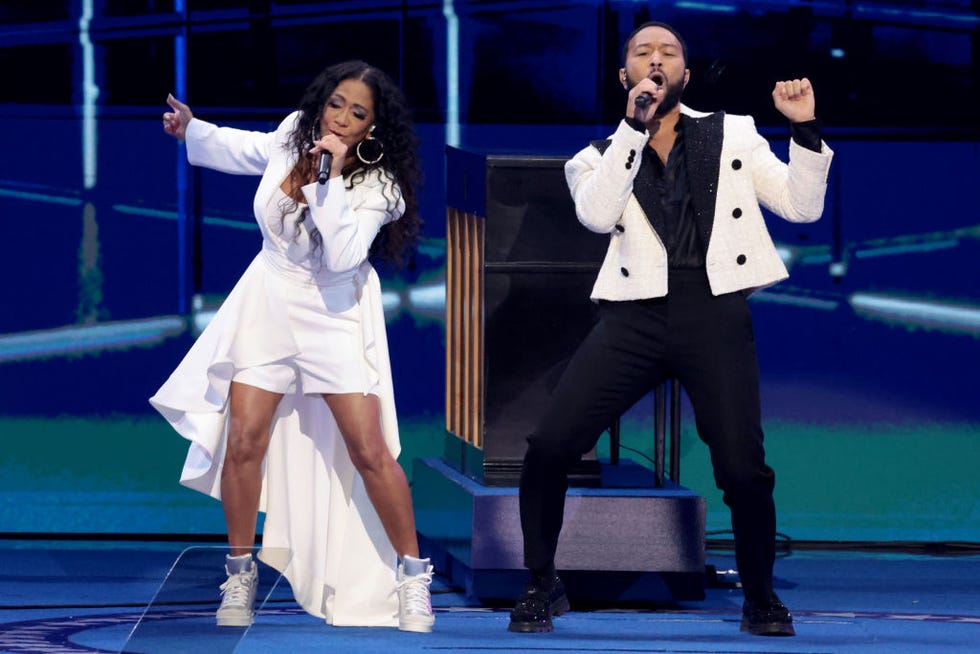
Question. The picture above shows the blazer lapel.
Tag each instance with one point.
(702, 140)
(643, 190)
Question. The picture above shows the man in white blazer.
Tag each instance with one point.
(679, 193)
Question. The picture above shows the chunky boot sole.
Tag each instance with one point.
(768, 628)
(419, 625)
(559, 607)
(235, 620)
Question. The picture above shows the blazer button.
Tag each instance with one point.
(736, 164)
(632, 153)
(737, 213)
(629, 165)
(625, 272)
(740, 259)
(620, 228)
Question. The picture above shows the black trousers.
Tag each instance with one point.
(707, 343)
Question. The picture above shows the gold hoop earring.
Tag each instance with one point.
(372, 153)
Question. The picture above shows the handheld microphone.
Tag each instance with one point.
(323, 173)
(646, 98)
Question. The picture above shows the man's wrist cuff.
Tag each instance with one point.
(807, 134)
(635, 124)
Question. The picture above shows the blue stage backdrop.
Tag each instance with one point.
(868, 351)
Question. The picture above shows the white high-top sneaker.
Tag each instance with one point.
(414, 600)
(238, 594)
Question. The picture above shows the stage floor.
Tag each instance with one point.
(87, 597)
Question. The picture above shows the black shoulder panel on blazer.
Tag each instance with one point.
(601, 145)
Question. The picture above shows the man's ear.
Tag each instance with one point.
(622, 78)
(687, 76)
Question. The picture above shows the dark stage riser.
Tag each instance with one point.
(617, 545)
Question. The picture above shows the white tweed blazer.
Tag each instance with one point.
(731, 169)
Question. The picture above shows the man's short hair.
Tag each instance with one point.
(655, 23)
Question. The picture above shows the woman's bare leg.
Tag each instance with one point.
(359, 419)
(251, 412)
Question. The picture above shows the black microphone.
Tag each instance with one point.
(645, 98)
(326, 160)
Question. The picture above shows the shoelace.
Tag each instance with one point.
(417, 593)
(236, 589)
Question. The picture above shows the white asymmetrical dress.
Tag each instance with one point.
(322, 323)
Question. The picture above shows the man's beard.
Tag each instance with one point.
(672, 96)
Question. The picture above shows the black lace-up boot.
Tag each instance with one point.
(543, 597)
(769, 618)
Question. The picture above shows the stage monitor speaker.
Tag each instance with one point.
(520, 268)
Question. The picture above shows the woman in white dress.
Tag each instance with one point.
(286, 397)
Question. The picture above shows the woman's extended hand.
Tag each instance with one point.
(175, 123)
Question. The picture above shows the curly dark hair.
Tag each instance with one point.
(393, 129)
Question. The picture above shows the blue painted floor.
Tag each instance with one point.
(72, 597)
